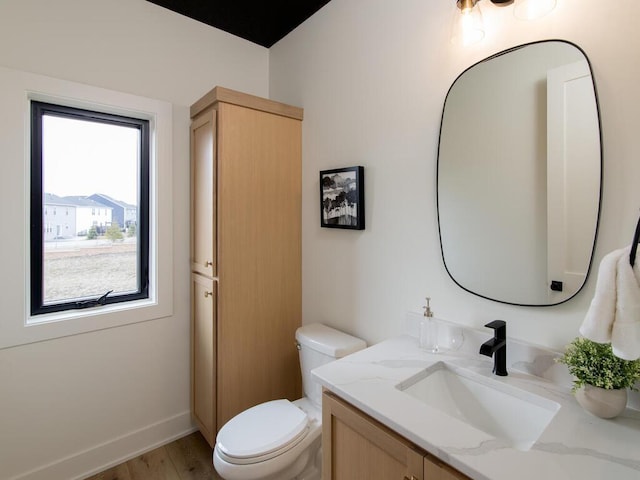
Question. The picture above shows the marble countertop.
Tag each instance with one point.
(575, 445)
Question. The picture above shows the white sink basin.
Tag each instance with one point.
(498, 409)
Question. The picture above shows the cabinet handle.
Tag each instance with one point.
(208, 294)
(208, 264)
(413, 477)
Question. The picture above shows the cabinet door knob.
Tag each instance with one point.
(208, 264)
(208, 294)
(413, 477)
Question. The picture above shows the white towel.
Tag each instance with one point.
(614, 314)
(598, 322)
(625, 336)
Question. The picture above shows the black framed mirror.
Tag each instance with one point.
(519, 175)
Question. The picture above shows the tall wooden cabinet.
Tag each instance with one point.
(245, 254)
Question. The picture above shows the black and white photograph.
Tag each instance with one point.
(342, 198)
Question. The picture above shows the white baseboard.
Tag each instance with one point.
(113, 452)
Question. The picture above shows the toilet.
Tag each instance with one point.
(281, 440)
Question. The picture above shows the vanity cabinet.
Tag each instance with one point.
(355, 445)
(245, 254)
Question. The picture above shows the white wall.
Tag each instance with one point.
(73, 405)
(372, 76)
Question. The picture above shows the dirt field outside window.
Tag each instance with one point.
(80, 268)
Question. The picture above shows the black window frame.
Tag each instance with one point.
(38, 110)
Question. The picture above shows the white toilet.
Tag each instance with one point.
(280, 440)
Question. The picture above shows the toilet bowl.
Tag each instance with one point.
(273, 440)
(280, 439)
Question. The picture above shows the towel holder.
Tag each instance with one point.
(634, 245)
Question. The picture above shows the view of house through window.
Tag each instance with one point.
(93, 237)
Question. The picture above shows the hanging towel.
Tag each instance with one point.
(625, 336)
(614, 314)
(598, 322)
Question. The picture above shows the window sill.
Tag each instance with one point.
(63, 324)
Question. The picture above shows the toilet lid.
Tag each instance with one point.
(263, 429)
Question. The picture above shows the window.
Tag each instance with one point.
(88, 161)
(19, 326)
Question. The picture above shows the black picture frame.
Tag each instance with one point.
(342, 198)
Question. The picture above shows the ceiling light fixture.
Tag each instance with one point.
(468, 26)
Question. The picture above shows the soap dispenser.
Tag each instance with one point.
(428, 330)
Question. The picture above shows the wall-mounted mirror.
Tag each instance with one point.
(519, 175)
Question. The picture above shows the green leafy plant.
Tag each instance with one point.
(595, 364)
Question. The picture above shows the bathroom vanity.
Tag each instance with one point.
(394, 410)
(357, 446)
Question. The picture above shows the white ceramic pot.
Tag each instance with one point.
(601, 402)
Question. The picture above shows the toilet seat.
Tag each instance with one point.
(262, 432)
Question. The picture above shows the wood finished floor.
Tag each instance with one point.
(188, 458)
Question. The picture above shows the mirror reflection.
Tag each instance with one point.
(519, 173)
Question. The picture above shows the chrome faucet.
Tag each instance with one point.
(497, 347)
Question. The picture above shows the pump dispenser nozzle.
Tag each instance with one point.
(427, 309)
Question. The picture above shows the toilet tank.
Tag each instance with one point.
(318, 345)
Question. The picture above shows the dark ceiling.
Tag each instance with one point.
(260, 21)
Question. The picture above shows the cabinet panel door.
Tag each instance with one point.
(203, 193)
(203, 292)
(356, 446)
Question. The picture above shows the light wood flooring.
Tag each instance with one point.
(188, 458)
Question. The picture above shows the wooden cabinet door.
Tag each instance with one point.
(434, 469)
(203, 193)
(203, 304)
(355, 446)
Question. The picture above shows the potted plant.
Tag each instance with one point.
(601, 378)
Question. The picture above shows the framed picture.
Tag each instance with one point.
(342, 198)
